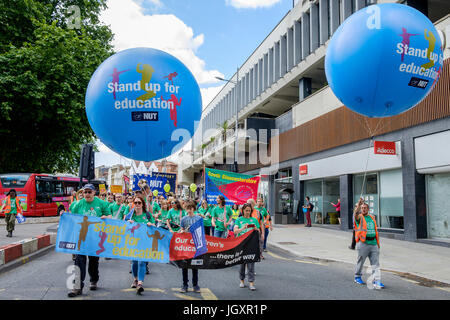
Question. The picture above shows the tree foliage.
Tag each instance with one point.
(45, 68)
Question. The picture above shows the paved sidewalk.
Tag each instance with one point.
(423, 260)
(23, 231)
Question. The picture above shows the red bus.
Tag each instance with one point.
(42, 195)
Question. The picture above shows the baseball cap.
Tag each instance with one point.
(89, 186)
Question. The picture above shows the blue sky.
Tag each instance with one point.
(211, 37)
(231, 34)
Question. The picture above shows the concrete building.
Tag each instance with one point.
(318, 147)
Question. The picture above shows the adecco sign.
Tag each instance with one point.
(385, 147)
(303, 168)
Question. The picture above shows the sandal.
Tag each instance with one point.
(134, 284)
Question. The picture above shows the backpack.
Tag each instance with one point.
(312, 207)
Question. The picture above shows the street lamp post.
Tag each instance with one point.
(236, 83)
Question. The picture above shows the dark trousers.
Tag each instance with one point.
(80, 262)
(353, 240)
(10, 220)
(308, 218)
(208, 231)
(266, 234)
(194, 277)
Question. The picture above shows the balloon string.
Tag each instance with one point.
(372, 135)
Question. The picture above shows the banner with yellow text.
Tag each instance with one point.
(110, 238)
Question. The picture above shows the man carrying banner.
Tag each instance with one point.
(245, 224)
(90, 205)
(221, 218)
(186, 222)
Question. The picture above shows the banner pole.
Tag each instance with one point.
(204, 182)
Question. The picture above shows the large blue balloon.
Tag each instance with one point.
(137, 98)
(384, 59)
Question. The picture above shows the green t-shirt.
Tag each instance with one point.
(241, 221)
(13, 206)
(72, 205)
(114, 208)
(207, 214)
(218, 213)
(156, 207)
(140, 219)
(370, 230)
(262, 211)
(164, 216)
(174, 217)
(96, 208)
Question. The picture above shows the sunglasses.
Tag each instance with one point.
(87, 192)
(138, 202)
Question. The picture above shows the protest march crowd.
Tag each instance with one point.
(176, 215)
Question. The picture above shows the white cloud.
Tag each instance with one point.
(208, 94)
(251, 4)
(165, 32)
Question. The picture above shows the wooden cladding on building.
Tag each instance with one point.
(343, 126)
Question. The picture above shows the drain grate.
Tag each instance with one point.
(286, 243)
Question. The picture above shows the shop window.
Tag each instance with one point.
(438, 207)
(284, 176)
(391, 199)
(368, 191)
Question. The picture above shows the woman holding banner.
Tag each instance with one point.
(221, 218)
(205, 212)
(243, 225)
(138, 268)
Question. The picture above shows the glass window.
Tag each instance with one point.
(284, 176)
(331, 188)
(14, 181)
(438, 207)
(313, 190)
(368, 190)
(391, 199)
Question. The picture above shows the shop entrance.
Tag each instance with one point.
(322, 193)
(284, 205)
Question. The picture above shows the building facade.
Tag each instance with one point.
(280, 102)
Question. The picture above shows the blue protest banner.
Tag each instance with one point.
(198, 235)
(156, 181)
(111, 238)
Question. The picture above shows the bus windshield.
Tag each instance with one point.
(14, 180)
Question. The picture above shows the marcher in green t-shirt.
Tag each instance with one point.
(164, 215)
(367, 243)
(175, 214)
(138, 268)
(243, 225)
(89, 206)
(118, 209)
(221, 218)
(11, 206)
(205, 212)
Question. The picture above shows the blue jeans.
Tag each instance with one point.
(219, 233)
(266, 233)
(138, 269)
